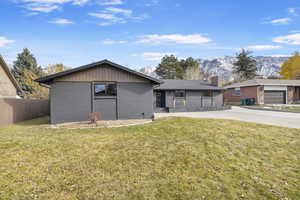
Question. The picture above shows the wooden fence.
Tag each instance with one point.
(15, 110)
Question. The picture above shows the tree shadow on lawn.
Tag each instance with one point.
(34, 122)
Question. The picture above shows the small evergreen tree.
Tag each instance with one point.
(24, 69)
(245, 66)
(291, 68)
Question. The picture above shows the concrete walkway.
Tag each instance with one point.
(291, 120)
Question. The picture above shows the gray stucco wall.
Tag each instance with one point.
(170, 99)
(107, 107)
(135, 100)
(218, 98)
(70, 101)
(194, 101)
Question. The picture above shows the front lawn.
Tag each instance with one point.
(292, 108)
(174, 158)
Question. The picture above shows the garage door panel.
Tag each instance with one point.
(275, 97)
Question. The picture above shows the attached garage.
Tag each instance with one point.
(114, 91)
(265, 91)
(275, 97)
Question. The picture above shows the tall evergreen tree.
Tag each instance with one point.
(169, 68)
(25, 64)
(291, 68)
(245, 67)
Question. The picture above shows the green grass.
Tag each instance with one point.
(291, 108)
(283, 107)
(174, 158)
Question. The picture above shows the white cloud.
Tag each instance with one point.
(113, 15)
(110, 19)
(152, 3)
(47, 6)
(175, 38)
(31, 14)
(295, 31)
(4, 42)
(46, 1)
(80, 2)
(262, 47)
(153, 56)
(111, 2)
(281, 21)
(61, 21)
(292, 11)
(293, 39)
(119, 10)
(111, 42)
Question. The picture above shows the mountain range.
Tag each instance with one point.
(266, 66)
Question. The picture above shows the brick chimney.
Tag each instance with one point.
(216, 81)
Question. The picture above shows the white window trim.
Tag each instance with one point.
(237, 89)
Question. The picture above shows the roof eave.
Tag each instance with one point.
(194, 89)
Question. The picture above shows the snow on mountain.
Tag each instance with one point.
(266, 66)
(223, 66)
(149, 70)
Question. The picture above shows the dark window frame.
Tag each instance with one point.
(207, 93)
(183, 92)
(106, 93)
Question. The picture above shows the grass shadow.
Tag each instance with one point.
(36, 121)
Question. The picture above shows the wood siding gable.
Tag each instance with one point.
(102, 73)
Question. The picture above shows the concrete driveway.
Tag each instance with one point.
(291, 120)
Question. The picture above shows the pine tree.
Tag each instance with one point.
(291, 68)
(169, 68)
(24, 65)
(245, 66)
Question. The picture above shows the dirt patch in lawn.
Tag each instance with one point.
(101, 124)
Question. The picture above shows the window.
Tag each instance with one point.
(179, 94)
(103, 89)
(237, 92)
(207, 93)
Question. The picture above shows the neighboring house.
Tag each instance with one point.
(9, 88)
(188, 95)
(264, 91)
(115, 91)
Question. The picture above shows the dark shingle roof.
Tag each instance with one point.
(275, 82)
(47, 79)
(186, 85)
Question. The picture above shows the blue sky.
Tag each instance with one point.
(137, 33)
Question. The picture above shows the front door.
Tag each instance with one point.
(160, 99)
